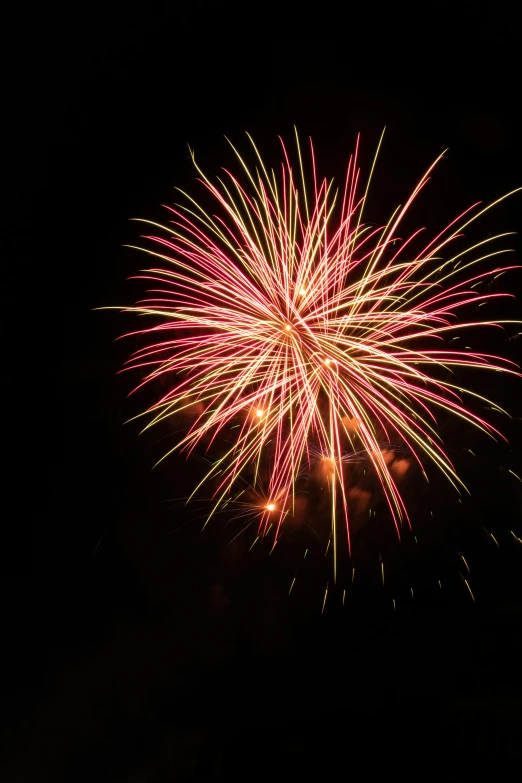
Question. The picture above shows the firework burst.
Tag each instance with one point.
(295, 333)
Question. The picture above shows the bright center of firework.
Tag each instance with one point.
(327, 361)
(259, 413)
(329, 463)
(302, 291)
(271, 507)
(288, 328)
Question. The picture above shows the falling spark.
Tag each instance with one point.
(490, 534)
(469, 588)
(324, 601)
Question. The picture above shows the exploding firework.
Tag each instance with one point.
(294, 334)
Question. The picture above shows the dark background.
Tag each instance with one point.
(139, 654)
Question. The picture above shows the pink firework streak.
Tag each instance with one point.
(295, 330)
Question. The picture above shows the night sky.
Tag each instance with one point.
(138, 648)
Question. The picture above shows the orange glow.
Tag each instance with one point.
(270, 507)
(388, 456)
(360, 499)
(400, 467)
(351, 424)
(329, 464)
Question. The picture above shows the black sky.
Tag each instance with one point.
(131, 657)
